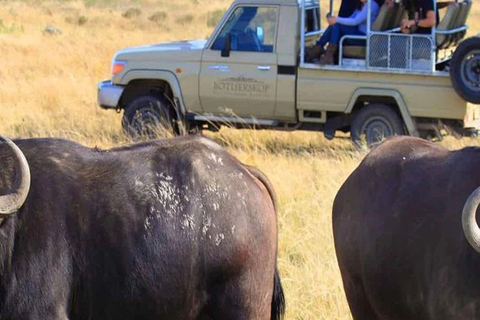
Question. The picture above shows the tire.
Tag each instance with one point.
(374, 123)
(148, 117)
(465, 70)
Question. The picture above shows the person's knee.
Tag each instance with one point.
(336, 26)
(336, 32)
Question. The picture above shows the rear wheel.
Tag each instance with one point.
(465, 70)
(374, 123)
(149, 117)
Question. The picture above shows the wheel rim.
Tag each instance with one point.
(375, 129)
(147, 121)
(470, 70)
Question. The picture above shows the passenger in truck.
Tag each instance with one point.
(356, 24)
(423, 18)
(421, 15)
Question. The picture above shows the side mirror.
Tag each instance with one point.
(260, 34)
(227, 47)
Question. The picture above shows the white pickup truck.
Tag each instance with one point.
(252, 72)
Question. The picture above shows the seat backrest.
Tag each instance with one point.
(462, 20)
(384, 16)
(389, 17)
(245, 41)
(448, 22)
(400, 14)
(465, 8)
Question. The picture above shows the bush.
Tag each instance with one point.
(131, 13)
(213, 18)
(81, 20)
(158, 17)
(9, 29)
(185, 19)
(52, 30)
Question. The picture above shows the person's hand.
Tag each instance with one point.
(332, 20)
(407, 25)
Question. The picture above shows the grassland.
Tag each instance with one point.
(54, 52)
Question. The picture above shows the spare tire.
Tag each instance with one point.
(465, 70)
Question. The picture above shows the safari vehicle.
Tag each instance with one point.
(252, 73)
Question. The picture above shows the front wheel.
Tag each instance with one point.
(374, 123)
(149, 117)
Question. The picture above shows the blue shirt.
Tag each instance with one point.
(359, 17)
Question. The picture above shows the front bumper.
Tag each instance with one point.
(108, 94)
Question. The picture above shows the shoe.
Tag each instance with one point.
(329, 57)
(313, 53)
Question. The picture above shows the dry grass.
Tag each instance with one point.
(54, 53)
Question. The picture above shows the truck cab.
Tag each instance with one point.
(252, 73)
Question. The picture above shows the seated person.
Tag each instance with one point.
(356, 24)
(422, 16)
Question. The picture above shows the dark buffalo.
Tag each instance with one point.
(172, 229)
(397, 224)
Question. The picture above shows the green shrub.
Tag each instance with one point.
(9, 29)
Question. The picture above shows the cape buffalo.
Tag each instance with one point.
(397, 224)
(169, 229)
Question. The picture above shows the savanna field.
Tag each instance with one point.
(53, 53)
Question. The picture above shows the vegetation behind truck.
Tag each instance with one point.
(251, 73)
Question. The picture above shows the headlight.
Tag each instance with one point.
(117, 67)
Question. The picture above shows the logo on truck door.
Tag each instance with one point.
(241, 86)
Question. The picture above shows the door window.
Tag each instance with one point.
(250, 29)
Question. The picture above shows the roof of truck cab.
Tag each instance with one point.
(281, 2)
(308, 3)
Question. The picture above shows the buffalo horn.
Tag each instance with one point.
(469, 221)
(14, 199)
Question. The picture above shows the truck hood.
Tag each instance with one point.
(183, 49)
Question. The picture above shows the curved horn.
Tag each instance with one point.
(469, 221)
(14, 199)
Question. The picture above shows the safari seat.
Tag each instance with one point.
(462, 20)
(448, 22)
(359, 52)
(388, 18)
(383, 19)
(399, 15)
(455, 17)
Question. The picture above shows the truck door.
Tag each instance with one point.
(244, 81)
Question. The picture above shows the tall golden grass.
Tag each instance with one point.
(54, 52)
